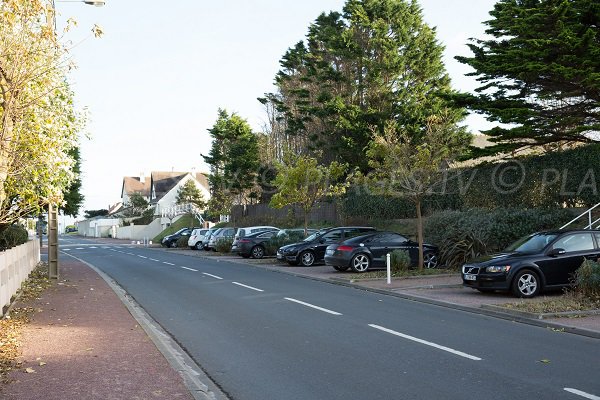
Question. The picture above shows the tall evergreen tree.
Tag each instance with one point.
(233, 160)
(375, 62)
(539, 73)
(190, 194)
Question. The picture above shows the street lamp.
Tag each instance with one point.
(53, 208)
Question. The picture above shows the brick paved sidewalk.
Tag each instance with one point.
(90, 346)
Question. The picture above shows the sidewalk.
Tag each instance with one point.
(84, 344)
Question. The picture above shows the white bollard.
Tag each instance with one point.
(389, 268)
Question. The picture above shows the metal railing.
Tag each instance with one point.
(590, 224)
(179, 209)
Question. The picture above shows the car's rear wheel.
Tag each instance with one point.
(199, 246)
(340, 268)
(258, 252)
(526, 284)
(307, 258)
(360, 263)
(430, 260)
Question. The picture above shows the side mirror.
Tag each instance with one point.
(556, 252)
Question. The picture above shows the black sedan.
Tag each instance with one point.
(312, 249)
(369, 251)
(253, 245)
(542, 261)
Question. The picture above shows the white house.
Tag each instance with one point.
(164, 187)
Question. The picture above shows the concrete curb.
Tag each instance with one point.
(195, 379)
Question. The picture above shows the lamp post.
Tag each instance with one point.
(52, 207)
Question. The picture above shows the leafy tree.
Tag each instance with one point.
(190, 194)
(413, 168)
(234, 161)
(73, 199)
(375, 62)
(539, 73)
(38, 122)
(302, 181)
(95, 213)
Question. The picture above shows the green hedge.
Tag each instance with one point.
(11, 236)
(569, 178)
(495, 228)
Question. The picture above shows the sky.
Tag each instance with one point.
(153, 83)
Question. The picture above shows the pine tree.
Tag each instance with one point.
(539, 73)
(190, 194)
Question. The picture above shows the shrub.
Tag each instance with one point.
(223, 245)
(399, 261)
(456, 251)
(496, 229)
(182, 242)
(11, 236)
(276, 242)
(587, 279)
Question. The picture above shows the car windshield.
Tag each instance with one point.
(312, 237)
(532, 244)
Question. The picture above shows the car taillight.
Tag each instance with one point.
(344, 248)
(243, 241)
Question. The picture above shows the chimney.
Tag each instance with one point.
(142, 178)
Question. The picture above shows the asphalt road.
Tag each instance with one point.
(265, 335)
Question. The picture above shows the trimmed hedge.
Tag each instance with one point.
(569, 178)
(464, 235)
(11, 236)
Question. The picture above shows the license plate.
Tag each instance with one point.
(470, 277)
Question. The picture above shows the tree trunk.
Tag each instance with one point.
(305, 222)
(420, 232)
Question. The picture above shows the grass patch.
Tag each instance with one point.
(185, 221)
(11, 326)
(382, 274)
(568, 302)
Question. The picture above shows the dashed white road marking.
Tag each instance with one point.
(313, 306)
(190, 269)
(78, 248)
(131, 254)
(142, 256)
(212, 276)
(93, 247)
(248, 287)
(168, 263)
(153, 259)
(582, 394)
(66, 249)
(425, 342)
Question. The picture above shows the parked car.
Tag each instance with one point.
(196, 238)
(207, 237)
(295, 232)
(171, 240)
(312, 249)
(249, 230)
(253, 245)
(542, 261)
(219, 234)
(362, 253)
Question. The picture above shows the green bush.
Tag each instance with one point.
(276, 242)
(223, 245)
(399, 261)
(11, 236)
(587, 279)
(456, 251)
(496, 229)
(182, 242)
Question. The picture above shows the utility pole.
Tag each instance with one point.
(52, 241)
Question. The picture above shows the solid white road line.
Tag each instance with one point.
(212, 276)
(437, 346)
(247, 287)
(313, 306)
(168, 263)
(582, 394)
(190, 269)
